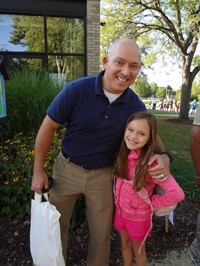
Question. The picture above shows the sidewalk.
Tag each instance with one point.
(175, 258)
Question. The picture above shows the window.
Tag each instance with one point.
(44, 41)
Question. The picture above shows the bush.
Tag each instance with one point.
(28, 95)
(16, 163)
(16, 160)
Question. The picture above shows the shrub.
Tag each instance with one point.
(28, 95)
(16, 163)
(16, 160)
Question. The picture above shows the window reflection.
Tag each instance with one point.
(68, 68)
(65, 35)
(21, 33)
(64, 43)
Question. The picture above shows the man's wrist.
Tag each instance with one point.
(168, 154)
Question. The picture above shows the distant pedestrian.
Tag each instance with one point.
(194, 106)
(161, 104)
(154, 103)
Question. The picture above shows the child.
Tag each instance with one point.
(133, 216)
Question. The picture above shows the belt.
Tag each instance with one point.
(86, 168)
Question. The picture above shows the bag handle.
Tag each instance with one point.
(38, 197)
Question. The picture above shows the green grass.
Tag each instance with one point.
(175, 136)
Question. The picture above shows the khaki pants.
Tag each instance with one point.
(70, 180)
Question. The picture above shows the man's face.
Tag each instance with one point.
(121, 68)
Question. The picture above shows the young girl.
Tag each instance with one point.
(133, 216)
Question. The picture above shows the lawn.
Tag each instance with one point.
(175, 136)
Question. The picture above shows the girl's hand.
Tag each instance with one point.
(161, 170)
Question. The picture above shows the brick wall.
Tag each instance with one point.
(93, 36)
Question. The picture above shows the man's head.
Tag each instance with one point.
(122, 64)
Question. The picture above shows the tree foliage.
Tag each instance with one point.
(170, 27)
(161, 93)
(142, 87)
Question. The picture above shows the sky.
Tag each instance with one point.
(165, 75)
(168, 73)
(5, 22)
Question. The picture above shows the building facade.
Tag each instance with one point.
(60, 35)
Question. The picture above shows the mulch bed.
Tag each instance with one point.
(15, 248)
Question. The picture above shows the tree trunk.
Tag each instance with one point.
(185, 88)
(185, 98)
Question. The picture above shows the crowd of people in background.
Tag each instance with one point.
(172, 105)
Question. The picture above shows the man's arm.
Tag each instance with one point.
(162, 169)
(195, 150)
(43, 142)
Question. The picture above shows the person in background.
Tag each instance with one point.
(194, 105)
(94, 110)
(194, 250)
(133, 215)
(154, 103)
(161, 104)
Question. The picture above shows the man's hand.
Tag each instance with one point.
(161, 170)
(39, 181)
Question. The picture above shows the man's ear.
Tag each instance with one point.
(105, 60)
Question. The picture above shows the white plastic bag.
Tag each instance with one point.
(45, 241)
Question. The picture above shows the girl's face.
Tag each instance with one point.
(137, 134)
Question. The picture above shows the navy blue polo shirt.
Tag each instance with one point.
(94, 126)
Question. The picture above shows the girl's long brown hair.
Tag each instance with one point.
(147, 151)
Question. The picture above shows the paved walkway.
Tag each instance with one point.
(175, 258)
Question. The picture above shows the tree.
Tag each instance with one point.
(161, 93)
(142, 87)
(154, 88)
(169, 90)
(178, 25)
